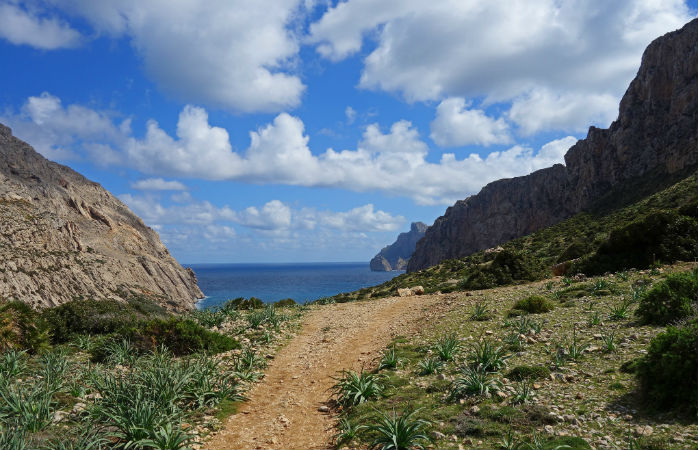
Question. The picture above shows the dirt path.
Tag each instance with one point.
(283, 409)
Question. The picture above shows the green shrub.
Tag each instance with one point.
(661, 236)
(669, 300)
(520, 373)
(96, 317)
(534, 304)
(180, 336)
(21, 328)
(287, 302)
(507, 267)
(667, 374)
(241, 303)
(575, 250)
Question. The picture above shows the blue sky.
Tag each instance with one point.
(303, 130)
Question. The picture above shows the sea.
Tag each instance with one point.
(302, 282)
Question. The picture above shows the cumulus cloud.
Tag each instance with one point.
(455, 125)
(25, 26)
(272, 216)
(232, 54)
(500, 50)
(54, 129)
(395, 161)
(158, 184)
(542, 109)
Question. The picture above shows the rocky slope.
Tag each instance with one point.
(656, 134)
(64, 237)
(396, 255)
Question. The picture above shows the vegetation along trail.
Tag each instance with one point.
(283, 410)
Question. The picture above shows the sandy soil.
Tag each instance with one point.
(282, 411)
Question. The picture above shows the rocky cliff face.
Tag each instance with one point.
(64, 237)
(656, 132)
(396, 255)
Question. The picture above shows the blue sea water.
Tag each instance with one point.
(271, 282)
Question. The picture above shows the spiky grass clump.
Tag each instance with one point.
(474, 382)
(430, 366)
(347, 433)
(487, 356)
(400, 432)
(447, 347)
(480, 312)
(353, 388)
(389, 360)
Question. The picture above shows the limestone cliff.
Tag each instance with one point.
(396, 255)
(656, 133)
(63, 237)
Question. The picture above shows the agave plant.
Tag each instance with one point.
(30, 406)
(400, 432)
(480, 312)
(523, 393)
(473, 382)
(353, 388)
(430, 365)
(447, 347)
(347, 432)
(168, 437)
(13, 363)
(390, 360)
(488, 357)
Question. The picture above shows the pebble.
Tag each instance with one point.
(548, 429)
(474, 410)
(79, 407)
(437, 435)
(324, 409)
(643, 430)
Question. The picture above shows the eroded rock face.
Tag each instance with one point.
(656, 132)
(396, 255)
(63, 236)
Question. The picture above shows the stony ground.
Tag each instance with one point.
(591, 398)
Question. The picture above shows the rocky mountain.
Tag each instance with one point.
(396, 255)
(64, 237)
(655, 136)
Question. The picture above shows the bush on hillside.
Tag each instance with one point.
(575, 250)
(667, 374)
(96, 317)
(241, 303)
(669, 300)
(663, 236)
(22, 328)
(534, 304)
(180, 336)
(287, 302)
(520, 373)
(507, 267)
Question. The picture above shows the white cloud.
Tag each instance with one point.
(542, 109)
(350, 113)
(232, 54)
(23, 26)
(395, 162)
(455, 125)
(273, 216)
(500, 50)
(158, 184)
(53, 129)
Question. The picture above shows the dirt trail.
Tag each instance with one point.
(282, 411)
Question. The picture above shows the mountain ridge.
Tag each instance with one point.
(64, 237)
(396, 255)
(655, 132)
